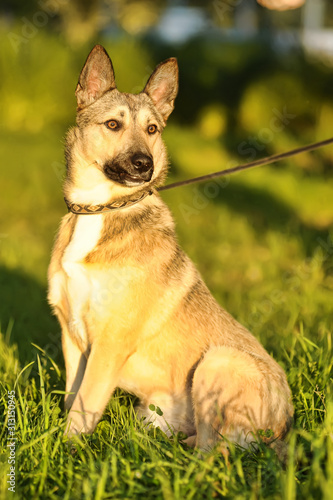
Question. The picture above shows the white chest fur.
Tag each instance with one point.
(87, 232)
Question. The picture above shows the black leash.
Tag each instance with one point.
(257, 163)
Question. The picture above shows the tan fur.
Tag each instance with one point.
(134, 311)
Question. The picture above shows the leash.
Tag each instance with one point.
(263, 161)
(118, 205)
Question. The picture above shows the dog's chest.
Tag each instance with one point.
(87, 233)
(75, 273)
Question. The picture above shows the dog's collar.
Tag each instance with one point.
(78, 209)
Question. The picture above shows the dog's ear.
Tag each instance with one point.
(96, 78)
(162, 86)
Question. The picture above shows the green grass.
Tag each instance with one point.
(125, 459)
(264, 259)
(263, 242)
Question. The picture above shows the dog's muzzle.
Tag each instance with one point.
(133, 172)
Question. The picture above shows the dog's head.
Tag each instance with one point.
(117, 148)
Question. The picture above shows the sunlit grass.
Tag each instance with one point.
(263, 242)
(126, 459)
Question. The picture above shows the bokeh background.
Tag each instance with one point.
(253, 82)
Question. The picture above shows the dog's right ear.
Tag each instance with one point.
(96, 78)
(162, 86)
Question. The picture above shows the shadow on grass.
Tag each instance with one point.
(23, 302)
(265, 212)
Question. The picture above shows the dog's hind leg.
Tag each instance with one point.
(235, 395)
(176, 412)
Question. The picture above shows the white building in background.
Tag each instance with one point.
(317, 39)
(180, 22)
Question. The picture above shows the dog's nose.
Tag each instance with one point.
(142, 163)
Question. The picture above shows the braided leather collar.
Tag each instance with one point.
(75, 208)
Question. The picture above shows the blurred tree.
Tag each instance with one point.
(136, 16)
(80, 19)
(17, 7)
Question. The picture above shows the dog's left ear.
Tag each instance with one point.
(96, 78)
(162, 86)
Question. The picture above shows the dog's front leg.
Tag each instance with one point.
(75, 362)
(99, 382)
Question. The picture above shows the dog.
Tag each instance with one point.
(133, 309)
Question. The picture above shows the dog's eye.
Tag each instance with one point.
(112, 124)
(152, 129)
